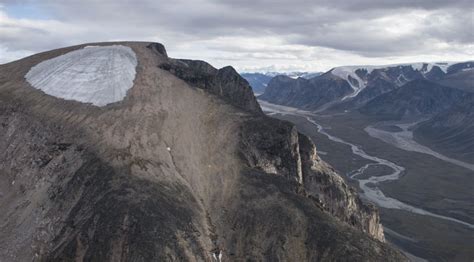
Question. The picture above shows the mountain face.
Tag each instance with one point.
(452, 131)
(220, 82)
(259, 81)
(184, 167)
(368, 82)
(462, 79)
(376, 87)
(417, 98)
(305, 93)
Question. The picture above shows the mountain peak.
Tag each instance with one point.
(159, 48)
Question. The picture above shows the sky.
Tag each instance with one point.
(251, 35)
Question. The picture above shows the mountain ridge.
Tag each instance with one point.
(183, 168)
(368, 82)
(417, 98)
(259, 81)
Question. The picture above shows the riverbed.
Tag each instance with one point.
(370, 191)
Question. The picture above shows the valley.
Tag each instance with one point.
(403, 139)
(416, 189)
(222, 131)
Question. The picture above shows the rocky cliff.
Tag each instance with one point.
(282, 150)
(225, 82)
(184, 168)
(322, 182)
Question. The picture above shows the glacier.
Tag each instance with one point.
(99, 75)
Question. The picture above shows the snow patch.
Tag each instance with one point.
(94, 74)
(442, 65)
(345, 72)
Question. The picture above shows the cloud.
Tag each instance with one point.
(254, 33)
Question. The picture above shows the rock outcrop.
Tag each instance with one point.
(276, 147)
(323, 183)
(225, 82)
(184, 168)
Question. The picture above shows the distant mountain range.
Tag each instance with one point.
(365, 82)
(440, 93)
(259, 81)
(416, 98)
(306, 93)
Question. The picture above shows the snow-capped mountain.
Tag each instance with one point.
(360, 84)
(360, 76)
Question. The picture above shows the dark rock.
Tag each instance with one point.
(225, 82)
(158, 48)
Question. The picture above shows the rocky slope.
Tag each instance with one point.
(220, 82)
(415, 99)
(184, 168)
(452, 131)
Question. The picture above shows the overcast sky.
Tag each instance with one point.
(251, 35)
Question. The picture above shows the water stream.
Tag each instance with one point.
(368, 185)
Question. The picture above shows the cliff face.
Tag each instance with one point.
(183, 169)
(322, 182)
(281, 150)
(225, 82)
